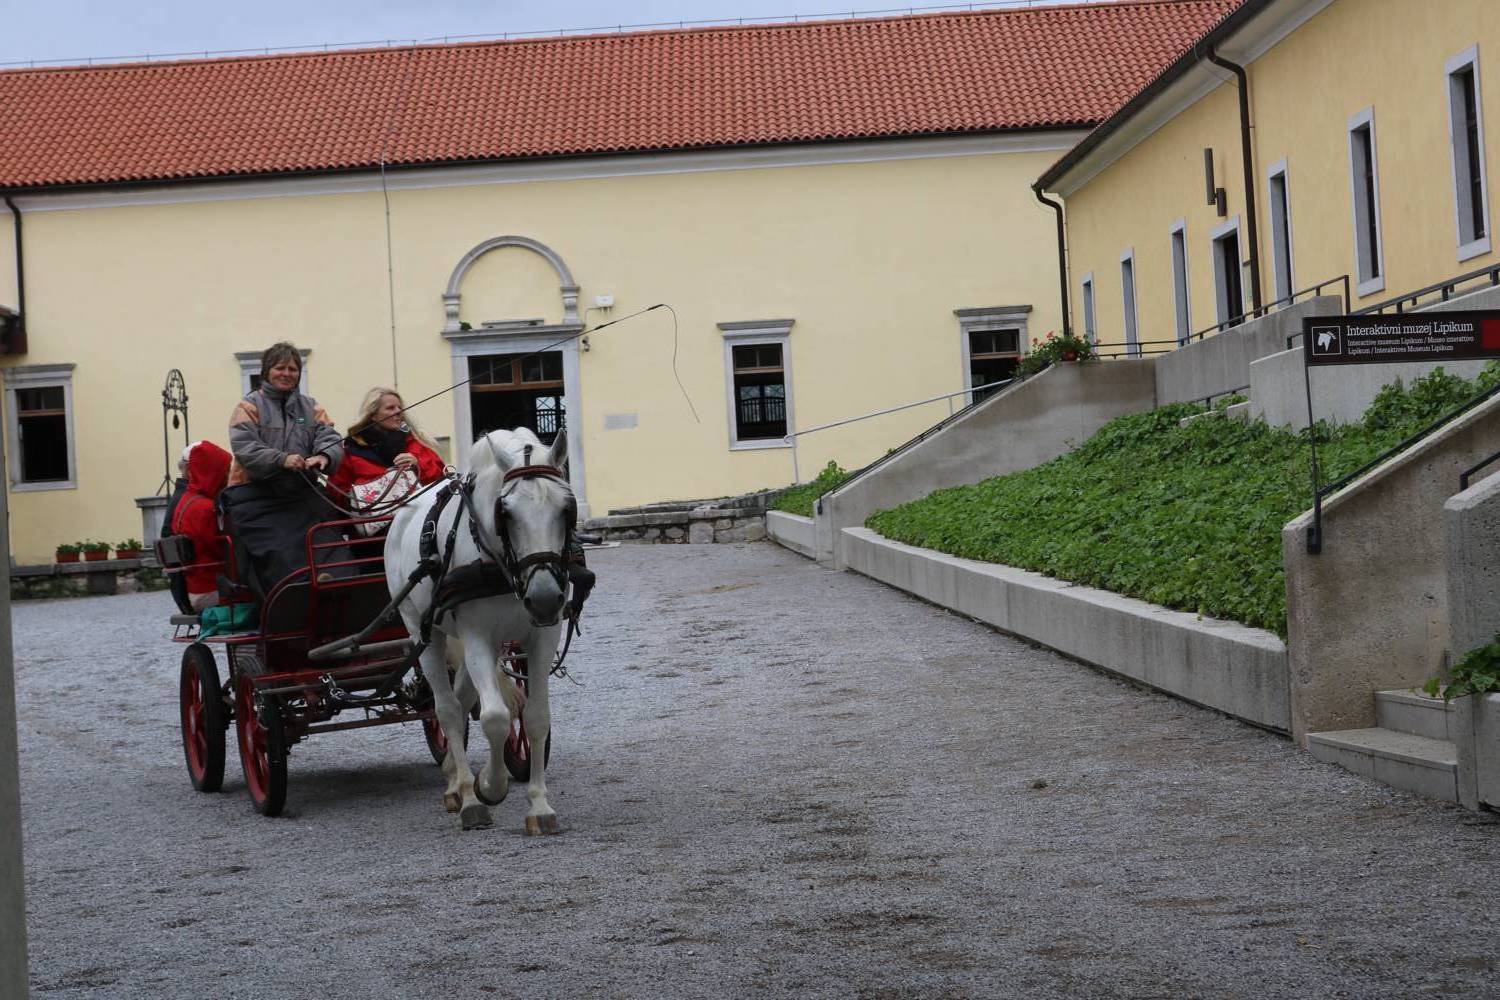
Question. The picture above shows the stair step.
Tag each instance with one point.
(1412, 712)
(1407, 761)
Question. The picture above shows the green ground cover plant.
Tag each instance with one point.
(1186, 517)
(799, 499)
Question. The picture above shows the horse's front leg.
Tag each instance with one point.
(494, 713)
(541, 649)
(450, 716)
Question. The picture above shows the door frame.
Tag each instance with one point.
(522, 338)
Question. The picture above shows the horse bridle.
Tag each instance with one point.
(522, 570)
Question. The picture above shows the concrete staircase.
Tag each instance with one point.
(1410, 747)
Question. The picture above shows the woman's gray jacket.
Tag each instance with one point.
(268, 425)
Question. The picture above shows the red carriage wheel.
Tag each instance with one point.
(204, 718)
(437, 740)
(262, 741)
(517, 751)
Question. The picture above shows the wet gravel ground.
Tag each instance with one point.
(777, 780)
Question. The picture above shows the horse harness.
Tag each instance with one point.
(493, 574)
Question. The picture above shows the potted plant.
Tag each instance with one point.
(67, 552)
(1052, 349)
(95, 551)
(130, 548)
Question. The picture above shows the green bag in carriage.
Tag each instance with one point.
(222, 619)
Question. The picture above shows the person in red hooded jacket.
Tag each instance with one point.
(195, 517)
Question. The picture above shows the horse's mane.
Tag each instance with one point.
(483, 456)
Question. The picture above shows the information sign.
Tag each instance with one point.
(1386, 339)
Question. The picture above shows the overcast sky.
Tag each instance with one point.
(72, 30)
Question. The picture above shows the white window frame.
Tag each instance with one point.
(39, 377)
(1376, 281)
(1224, 310)
(1090, 316)
(1182, 288)
(984, 320)
(1279, 169)
(249, 362)
(743, 334)
(1130, 305)
(1467, 59)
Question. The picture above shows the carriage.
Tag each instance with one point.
(294, 671)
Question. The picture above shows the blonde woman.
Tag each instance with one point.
(381, 440)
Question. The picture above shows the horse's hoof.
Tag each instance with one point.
(536, 826)
(452, 801)
(479, 793)
(475, 817)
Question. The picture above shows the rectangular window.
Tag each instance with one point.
(758, 380)
(1466, 135)
(39, 403)
(759, 392)
(517, 390)
(1180, 282)
(1364, 179)
(1229, 292)
(1281, 232)
(1127, 286)
(1090, 325)
(993, 356)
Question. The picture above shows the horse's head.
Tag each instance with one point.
(532, 514)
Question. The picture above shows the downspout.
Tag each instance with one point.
(20, 338)
(1062, 257)
(1248, 159)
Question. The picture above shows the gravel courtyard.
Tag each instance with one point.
(775, 780)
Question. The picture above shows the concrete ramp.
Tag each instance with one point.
(1018, 428)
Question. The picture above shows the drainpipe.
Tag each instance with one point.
(1062, 257)
(1248, 159)
(18, 343)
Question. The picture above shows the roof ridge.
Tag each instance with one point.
(337, 49)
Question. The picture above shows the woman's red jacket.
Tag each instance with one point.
(361, 466)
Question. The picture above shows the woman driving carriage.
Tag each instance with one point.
(382, 440)
(278, 436)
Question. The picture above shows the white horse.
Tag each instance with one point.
(524, 509)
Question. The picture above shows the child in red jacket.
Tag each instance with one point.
(195, 517)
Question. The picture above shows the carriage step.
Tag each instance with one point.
(185, 620)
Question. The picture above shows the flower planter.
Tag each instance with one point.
(127, 553)
(67, 557)
(96, 556)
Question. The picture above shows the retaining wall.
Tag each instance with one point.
(1222, 362)
(1342, 393)
(793, 531)
(1472, 525)
(1020, 427)
(1371, 612)
(681, 527)
(1224, 665)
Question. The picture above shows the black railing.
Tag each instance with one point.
(1311, 291)
(1463, 479)
(1443, 289)
(1209, 399)
(1135, 350)
(1394, 450)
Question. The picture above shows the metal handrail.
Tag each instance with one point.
(790, 438)
(1208, 400)
(1396, 449)
(1467, 474)
(1244, 317)
(1445, 288)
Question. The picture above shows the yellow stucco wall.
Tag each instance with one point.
(1355, 54)
(869, 259)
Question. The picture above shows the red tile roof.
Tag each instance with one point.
(972, 72)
